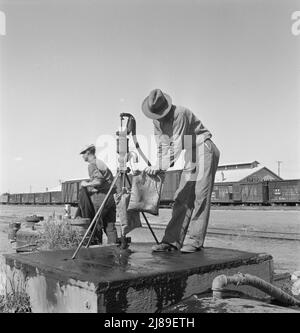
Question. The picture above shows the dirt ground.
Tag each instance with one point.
(286, 253)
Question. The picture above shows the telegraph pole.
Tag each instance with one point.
(278, 163)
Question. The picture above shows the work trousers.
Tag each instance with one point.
(192, 199)
(88, 205)
(108, 217)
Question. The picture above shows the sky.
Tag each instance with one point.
(69, 67)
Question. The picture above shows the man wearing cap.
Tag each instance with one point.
(176, 129)
(95, 191)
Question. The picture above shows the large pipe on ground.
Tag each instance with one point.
(221, 281)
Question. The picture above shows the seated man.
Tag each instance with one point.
(93, 192)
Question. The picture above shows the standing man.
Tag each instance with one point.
(93, 192)
(176, 128)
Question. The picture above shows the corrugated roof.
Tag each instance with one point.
(238, 164)
(234, 175)
(54, 189)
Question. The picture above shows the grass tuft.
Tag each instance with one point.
(14, 302)
(58, 234)
(16, 299)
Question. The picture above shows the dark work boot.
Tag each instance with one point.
(97, 239)
(163, 247)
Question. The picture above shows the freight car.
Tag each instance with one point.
(56, 198)
(47, 198)
(226, 193)
(223, 193)
(70, 191)
(240, 193)
(28, 199)
(4, 198)
(39, 198)
(284, 192)
(254, 193)
(264, 193)
(15, 198)
(42, 198)
(12, 199)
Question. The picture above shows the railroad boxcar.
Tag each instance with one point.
(47, 198)
(19, 198)
(56, 197)
(12, 199)
(254, 193)
(222, 194)
(284, 191)
(70, 191)
(4, 198)
(226, 193)
(28, 198)
(15, 198)
(39, 198)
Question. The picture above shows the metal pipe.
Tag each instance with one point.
(150, 228)
(221, 281)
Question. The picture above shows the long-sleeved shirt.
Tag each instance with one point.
(179, 130)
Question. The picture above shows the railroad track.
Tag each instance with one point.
(241, 232)
(288, 236)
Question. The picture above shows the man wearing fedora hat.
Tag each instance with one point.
(176, 129)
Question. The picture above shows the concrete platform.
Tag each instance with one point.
(105, 279)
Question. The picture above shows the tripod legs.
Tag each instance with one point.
(97, 216)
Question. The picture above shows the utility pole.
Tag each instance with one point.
(278, 163)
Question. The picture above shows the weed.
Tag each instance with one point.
(58, 234)
(16, 300)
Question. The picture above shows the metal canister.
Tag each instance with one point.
(81, 224)
(67, 211)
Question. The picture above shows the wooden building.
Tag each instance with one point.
(242, 182)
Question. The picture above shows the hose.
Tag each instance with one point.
(221, 281)
(131, 128)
